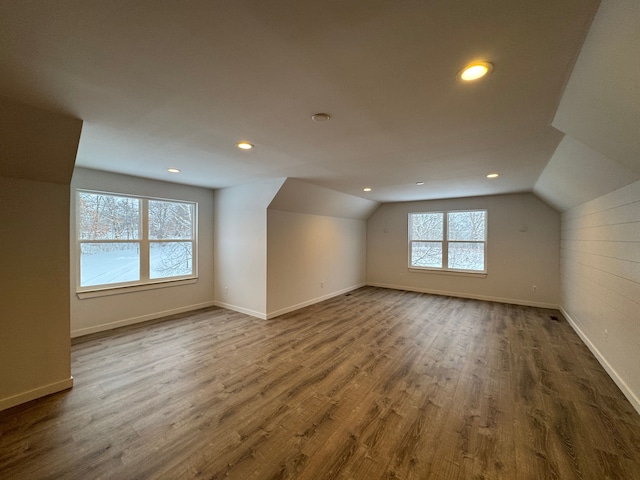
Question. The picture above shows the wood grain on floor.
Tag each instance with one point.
(376, 384)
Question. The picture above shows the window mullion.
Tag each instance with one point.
(144, 241)
(445, 241)
(467, 252)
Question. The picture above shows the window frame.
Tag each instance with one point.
(445, 244)
(145, 281)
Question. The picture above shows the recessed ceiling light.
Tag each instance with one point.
(475, 71)
(320, 117)
(493, 175)
(244, 145)
(419, 183)
(173, 170)
(366, 189)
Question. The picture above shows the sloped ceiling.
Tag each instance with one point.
(302, 197)
(599, 112)
(36, 144)
(577, 174)
(177, 84)
(600, 106)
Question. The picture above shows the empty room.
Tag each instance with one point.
(320, 240)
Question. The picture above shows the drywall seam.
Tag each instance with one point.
(36, 393)
(485, 298)
(142, 318)
(631, 396)
(313, 301)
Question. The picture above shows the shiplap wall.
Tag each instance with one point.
(600, 281)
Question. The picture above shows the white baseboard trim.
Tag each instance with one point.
(133, 320)
(36, 393)
(511, 301)
(313, 301)
(631, 396)
(246, 311)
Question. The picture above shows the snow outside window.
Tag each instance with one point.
(450, 241)
(127, 240)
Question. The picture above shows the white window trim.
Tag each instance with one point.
(445, 246)
(145, 283)
(104, 291)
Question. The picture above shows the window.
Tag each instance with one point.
(126, 240)
(450, 241)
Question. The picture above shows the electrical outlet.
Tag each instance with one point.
(321, 284)
(606, 334)
(534, 288)
(226, 290)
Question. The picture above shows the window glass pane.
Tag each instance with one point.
(466, 225)
(108, 217)
(466, 256)
(170, 259)
(426, 226)
(426, 254)
(105, 263)
(170, 220)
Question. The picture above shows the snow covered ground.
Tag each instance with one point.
(105, 268)
(123, 264)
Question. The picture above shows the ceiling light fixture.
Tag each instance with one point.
(244, 145)
(475, 71)
(419, 183)
(320, 117)
(366, 189)
(173, 170)
(493, 175)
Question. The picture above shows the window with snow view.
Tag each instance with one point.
(450, 241)
(126, 240)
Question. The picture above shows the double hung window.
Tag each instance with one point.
(127, 240)
(450, 241)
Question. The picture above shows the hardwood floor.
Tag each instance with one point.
(377, 384)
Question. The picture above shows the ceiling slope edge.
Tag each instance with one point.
(36, 144)
(600, 105)
(576, 174)
(301, 197)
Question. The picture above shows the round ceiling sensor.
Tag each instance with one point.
(320, 117)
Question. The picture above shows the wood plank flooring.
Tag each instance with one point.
(376, 384)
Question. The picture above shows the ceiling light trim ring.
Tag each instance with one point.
(475, 71)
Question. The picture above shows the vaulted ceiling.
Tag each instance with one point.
(178, 84)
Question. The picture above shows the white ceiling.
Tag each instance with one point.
(601, 104)
(176, 84)
(599, 113)
(576, 174)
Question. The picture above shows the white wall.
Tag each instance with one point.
(600, 281)
(34, 311)
(37, 155)
(311, 258)
(240, 219)
(516, 261)
(90, 315)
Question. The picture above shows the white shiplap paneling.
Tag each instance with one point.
(600, 281)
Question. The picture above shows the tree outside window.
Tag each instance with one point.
(126, 240)
(453, 241)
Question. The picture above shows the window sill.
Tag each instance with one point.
(117, 290)
(449, 272)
